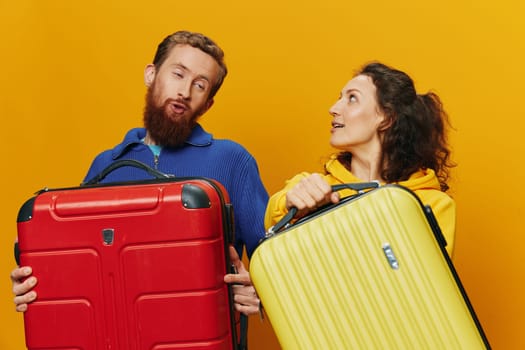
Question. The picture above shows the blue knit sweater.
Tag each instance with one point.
(201, 156)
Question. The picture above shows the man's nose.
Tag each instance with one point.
(184, 89)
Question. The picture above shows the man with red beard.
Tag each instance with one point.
(187, 71)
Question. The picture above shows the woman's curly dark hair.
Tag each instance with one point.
(414, 133)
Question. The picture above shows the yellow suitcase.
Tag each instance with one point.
(368, 273)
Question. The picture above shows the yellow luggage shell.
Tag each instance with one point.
(368, 273)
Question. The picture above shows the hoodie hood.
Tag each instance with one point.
(422, 179)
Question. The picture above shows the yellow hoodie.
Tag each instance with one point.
(424, 183)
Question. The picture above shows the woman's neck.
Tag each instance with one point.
(366, 166)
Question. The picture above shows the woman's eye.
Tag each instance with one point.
(352, 98)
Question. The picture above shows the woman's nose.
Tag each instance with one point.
(333, 111)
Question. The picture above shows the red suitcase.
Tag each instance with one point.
(129, 266)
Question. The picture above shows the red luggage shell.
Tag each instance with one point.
(129, 266)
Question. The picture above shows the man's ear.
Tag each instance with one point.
(149, 74)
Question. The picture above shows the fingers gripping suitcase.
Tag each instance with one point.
(371, 272)
(129, 266)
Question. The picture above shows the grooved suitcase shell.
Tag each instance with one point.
(130, 266)
(326, 283)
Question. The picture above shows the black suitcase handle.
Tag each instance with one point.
(285, 221)
(122, 163)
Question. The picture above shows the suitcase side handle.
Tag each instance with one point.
(122, 163)
(17, 253)
(285, 221)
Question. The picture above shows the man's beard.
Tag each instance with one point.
(164, 130)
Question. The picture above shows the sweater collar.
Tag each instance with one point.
(198, 138)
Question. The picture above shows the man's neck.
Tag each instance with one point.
(148, 140)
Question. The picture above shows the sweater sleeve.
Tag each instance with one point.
(249, 198)
(276, 208)
(96, 166)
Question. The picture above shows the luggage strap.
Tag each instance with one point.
(243, 338)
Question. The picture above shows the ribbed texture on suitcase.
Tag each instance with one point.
(327, 283)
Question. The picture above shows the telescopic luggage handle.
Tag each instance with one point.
(122, 163)
(356, 186)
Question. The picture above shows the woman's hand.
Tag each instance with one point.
(309, 194)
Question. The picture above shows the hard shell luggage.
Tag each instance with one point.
(371, 272)
(136, 265)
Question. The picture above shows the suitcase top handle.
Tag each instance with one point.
(122, 163)
(285, 221)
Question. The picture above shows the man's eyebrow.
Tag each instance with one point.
(180, 65)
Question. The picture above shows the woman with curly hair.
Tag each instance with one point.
(385, 132)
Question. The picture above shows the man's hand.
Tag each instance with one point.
(244, 295)
(23, 282)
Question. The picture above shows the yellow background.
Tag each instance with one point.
(71, 86)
